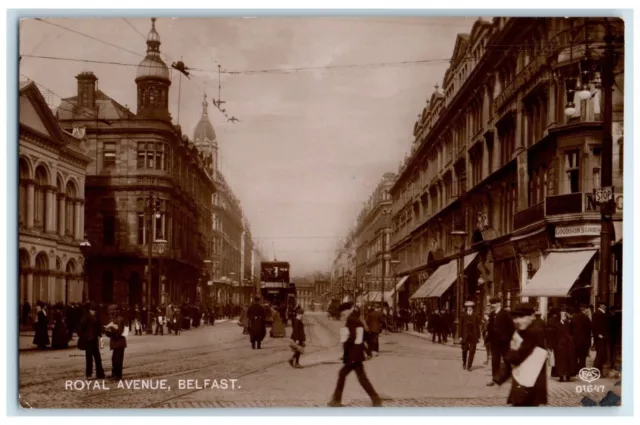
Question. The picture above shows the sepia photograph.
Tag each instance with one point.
(319, 211)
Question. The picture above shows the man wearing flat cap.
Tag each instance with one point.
(469, 335)
(499, 332)
(117, 342)
(600, 328)
(528, 389)
(582, 336)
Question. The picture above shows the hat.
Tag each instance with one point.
(112, 308)
(523, 309)
(93, 306)
(469, 304)
(495, 300)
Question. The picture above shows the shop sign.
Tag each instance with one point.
(583, 230)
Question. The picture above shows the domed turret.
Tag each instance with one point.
(153, 80)
(204, 137)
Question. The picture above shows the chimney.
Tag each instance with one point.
(86, 89)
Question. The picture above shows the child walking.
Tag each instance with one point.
(298, 339)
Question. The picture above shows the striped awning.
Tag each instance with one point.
(558, 273)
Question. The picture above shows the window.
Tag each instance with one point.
(70, 211)
(108, 155)
(153, 156)
(572, 168)
(108, 230)
(596, 168)
(40, 198)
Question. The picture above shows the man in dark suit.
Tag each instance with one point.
(531, 337)
(581, 336)
(433, 326)
(500, 330)
(600, 328)
(257, 325)
(353, 359)
(118, 342)
(469, 335)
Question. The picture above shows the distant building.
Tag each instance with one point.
(52, 164)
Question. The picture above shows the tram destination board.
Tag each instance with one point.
(274, 271)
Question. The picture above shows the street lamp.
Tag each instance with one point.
(161, 244)
(151, 209)
(459, 236)
(394, 266)
(85, 246)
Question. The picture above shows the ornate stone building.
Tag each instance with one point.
(147, 184)
(52, 164)
(230, 244)
(509, 152)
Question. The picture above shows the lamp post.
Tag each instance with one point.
(85, 246)
(151, 209)
(208, 264)
(394, 266)
(161, 244)
(459, 236)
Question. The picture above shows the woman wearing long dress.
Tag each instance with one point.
(41, 338)
(277, 329)
(59, 336)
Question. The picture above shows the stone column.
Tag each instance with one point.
(49, 226)
(31, 204)
(61, 214)
(77, 232)
(30, 295)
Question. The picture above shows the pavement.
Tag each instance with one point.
(215, 367)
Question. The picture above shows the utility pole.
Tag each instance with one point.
(606, 177)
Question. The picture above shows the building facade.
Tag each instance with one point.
(374, 269)
(52, 164)
(304, 292)
(148, 191)
(508, 151)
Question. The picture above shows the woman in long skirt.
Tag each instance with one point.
(41, 338)
(59, 336)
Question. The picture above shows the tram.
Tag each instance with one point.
(276, 287)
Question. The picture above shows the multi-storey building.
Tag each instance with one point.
(509, 152)
(147, 186)
(374, 267)
(343, 271)
(304, 292)
(52, 164)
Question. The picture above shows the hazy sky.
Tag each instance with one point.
(312, 144)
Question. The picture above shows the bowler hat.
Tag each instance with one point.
(494, 300)
(469, 304)
(523, 309)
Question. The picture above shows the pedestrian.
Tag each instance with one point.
(469, 335)
(600, 329)
(277, 327)
(485, 337)
(563, 348)
(137, 321)
(159, 322)
(169, 312)
(298, 338)
(89, 340)
(59, 334)
(500, 331)
(420, 318)
(177, 320)
(581, 333)
(529, 385)
(115, 330)
(374, 325)
(353, 337)
(257, 324)
(41, 337)
(433, 326)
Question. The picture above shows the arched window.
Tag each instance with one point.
(70, 211)
(41, 278)
(23, 197)
(40, 197)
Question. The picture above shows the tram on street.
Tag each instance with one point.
(276, 287)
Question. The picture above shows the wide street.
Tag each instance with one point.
(410, 372)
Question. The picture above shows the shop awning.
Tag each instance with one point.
(401, 282)
(450, 275)
(558, 273)
(619, 231)
(430, 283)
(442, 279)
(375, 297)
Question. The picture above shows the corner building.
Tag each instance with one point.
(147, 182)
(496, 155)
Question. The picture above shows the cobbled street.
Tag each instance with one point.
(410, 372)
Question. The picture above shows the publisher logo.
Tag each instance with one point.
(589, 374)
